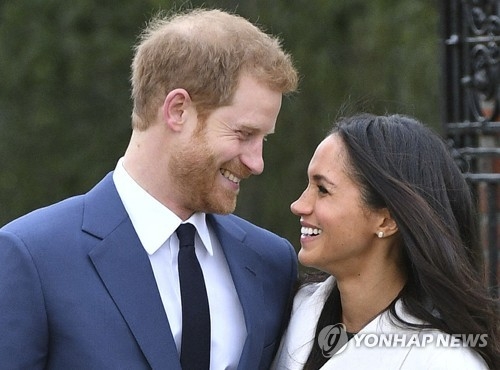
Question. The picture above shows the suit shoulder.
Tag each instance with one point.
(251, 227)
(47, 219)
(265, 242)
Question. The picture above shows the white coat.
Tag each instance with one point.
(413, 350)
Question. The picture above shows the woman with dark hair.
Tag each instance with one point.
(389, 220)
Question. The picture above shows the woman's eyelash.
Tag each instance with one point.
(322, 189)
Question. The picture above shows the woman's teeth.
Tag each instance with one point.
(309, 231)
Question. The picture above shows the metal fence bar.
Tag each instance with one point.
(492, 238)
(470, 31)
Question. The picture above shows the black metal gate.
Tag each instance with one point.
(471, 108)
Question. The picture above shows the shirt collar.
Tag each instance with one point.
(199, 221)
(153, 222)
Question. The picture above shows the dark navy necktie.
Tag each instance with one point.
(195, 343)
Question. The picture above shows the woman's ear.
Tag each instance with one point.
(387, 225)
(174, 109)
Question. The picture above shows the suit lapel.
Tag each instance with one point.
(245, 267)
(124, 267)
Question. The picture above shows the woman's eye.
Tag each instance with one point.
(322, 189)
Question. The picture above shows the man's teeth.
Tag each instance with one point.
(228, 175)
(309, 231)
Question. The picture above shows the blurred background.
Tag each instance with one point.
(64, 89)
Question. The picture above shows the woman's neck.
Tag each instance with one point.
(364, 296)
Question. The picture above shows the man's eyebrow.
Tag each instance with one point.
(253, 128)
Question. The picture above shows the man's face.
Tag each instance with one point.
(208, 169)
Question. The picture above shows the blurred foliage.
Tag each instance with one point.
(64, 91)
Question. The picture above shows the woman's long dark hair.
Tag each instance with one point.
(403, 166)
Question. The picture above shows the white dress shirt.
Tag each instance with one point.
(155, 226)
(361, 354)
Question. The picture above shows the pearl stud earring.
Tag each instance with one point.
(380, 234)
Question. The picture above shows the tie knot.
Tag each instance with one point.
(185, 233)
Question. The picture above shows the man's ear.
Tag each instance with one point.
(387, 225)
(175, 107)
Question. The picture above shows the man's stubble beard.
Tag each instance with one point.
(195, 171)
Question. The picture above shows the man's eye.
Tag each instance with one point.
(244, 134)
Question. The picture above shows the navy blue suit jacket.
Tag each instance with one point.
(77, 290)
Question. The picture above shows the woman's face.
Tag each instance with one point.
(337, 230)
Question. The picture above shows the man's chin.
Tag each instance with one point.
(224, 210)
(223, 207)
